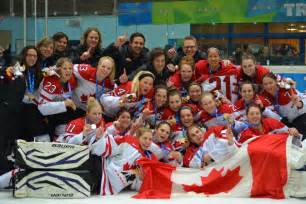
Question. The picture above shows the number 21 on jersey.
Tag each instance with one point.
(226, 84)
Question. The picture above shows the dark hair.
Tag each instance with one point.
(194, 125)
(121, 111)
(24, 52)
(254, 87)
(190, 37)
(213, 48)
(195, 84)
(137, 34)
(22, 57)
(160, 86)
(270, 75)
(173, 92)
(163, 123)
(156, 52)
(248, 56)
(253, 105)
(86, 33)
(59, 35)
(185, 108)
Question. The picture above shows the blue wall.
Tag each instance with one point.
(156, 35)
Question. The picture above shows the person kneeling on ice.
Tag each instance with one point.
(206, 146)
(119, 160)
(162, 146)
(85, 130)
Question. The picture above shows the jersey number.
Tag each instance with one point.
(70, 128)
(50, 87)
(227, 81)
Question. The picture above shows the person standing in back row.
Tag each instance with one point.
(128, 55)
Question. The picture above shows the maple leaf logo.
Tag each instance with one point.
(84, 98)
(215, 183)
(126, 167)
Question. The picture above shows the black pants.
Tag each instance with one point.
(300, 124)
(11, 95)
(33, 122)
(96, 173)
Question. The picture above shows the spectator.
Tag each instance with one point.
(45, 49)
(89, 51)
(264, 56)
(5, 58)
(157, 66)
(128, 55)
(190, 48)
(60, 40)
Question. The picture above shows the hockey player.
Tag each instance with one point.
(162, 146)
(214, 75)
(213, 145)
(261, 126)
(250, 71)
(93, 81)
(248, 96)
(132, 95)
(85, 130)
(153, 110)
(119, 160)
(287, 101)
(214, 112)
(55, 97)
(182, 78)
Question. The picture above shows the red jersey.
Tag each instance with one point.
(74, 132)
(177, 82)
(269, 126)
(216, 118)
(260, 72)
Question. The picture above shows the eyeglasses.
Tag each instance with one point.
(189, 47)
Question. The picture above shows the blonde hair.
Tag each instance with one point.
(60, 62)
(112, 74)
(140, 75)
(206, 93)
(141, 131)
(91, 103)
(44, 42)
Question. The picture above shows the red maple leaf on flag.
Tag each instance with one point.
(215, 183)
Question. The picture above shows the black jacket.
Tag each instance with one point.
(121, 56)
(160, 78)
(199, 55)
(93, 60)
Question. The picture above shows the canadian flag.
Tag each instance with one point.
(258, 169)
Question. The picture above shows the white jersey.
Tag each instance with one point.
(87, 85)
(215, 145)
(119, 158)
(52, 95)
